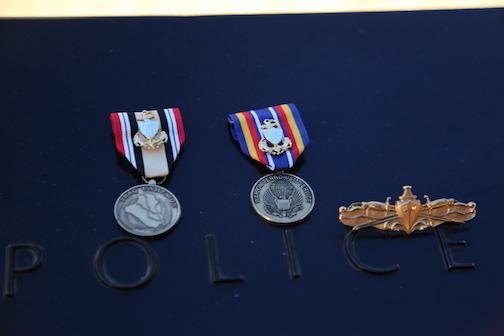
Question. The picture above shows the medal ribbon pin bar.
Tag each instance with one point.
(151, 141)
(276, 137)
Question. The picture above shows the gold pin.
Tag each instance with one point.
(408, 214)
(147, 115)
(149, 135)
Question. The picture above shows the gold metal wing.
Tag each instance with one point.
(408, 214)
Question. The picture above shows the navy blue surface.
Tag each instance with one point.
(387, 98)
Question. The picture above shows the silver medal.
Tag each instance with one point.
(147, 210)
(282, 198)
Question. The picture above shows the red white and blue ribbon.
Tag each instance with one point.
(148, 162)
(258, 133)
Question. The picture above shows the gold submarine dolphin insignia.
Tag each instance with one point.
(408, 214)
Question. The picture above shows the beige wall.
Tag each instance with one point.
(51, 8)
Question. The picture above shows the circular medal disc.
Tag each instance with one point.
(147, 210)
(282, 198)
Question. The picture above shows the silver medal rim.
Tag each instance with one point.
(143, 234)
(272, 220)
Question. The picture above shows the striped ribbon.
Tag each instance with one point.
(148, 162)
(246, 129)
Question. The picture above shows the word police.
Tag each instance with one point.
(14, 267)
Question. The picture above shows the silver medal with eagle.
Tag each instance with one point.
(282, 198)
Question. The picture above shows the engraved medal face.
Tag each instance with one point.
(147, 210)
(282, 198)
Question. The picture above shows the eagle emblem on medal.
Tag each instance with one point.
(280, 197)
(283, 199)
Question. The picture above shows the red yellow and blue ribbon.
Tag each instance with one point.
(246, 129)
